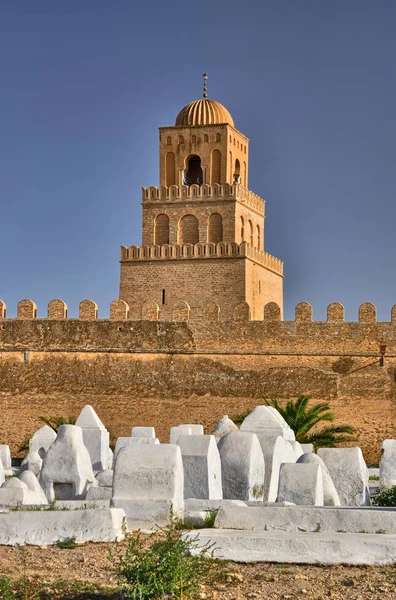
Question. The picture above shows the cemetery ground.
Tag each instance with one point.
(86, 572)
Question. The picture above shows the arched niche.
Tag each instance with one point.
(215, 228)
(161, 230)
(188, 230)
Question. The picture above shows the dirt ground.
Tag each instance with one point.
(90, 563)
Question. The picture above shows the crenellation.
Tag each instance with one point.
(119, 310)
(88, 310)
(367, 313)
(3, 309)
(303, 312)
(335, 312)
(27, 309)
(57, 309)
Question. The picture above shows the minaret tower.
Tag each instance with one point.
(202, 250)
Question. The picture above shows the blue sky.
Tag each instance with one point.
(85, 85)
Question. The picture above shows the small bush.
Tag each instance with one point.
(210, 518)
(165, 566)
(385, 497)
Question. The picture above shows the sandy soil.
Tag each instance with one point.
(90, 563)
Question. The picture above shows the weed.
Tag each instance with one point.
(210, 518)
(374, 478)
(363, 531)
(67, 544)
(301, 529)
(170, 566)
(381, 531)
(318, 528)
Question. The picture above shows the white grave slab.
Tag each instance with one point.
(349, 473)
(267, 421)
(387, 472)
(42, 440)
(96, 437)
(301, 484)
(202, 467)
(143, 432)
(330, 494)
(224, 427)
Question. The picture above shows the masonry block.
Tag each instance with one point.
(88, 310)
(57, 309)
(3, 309)
(367, 313)
(119, 310)
(272, 312)
(27, 309)
(150, 311)
(335, 312)
(303, 312)
(242, 312)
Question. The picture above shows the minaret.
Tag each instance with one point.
(203, 230)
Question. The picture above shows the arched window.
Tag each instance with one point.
(230, 139)
(161, 230)
(181, 139)
(258, 237)
(234, 142)
(168, 141)
(216, 167)
(188, 230)
(193, 172)
(237, 172)
(215, 228)
(218, 137)
(206, 138)
(170, 169)
(251, 232)
(231, 167)
(242, 229)
(237, 143)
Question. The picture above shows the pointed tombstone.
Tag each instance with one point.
(349, 473)
(148, 484)
(32, 462)
(301, 484)
(67, 469)
(267, 420)
(224, 427)
(202, 467)
(96, 437)
(387, 475)
(242, 466)
(5, 457)
(42, 440)
(276, 451)
(330, 495)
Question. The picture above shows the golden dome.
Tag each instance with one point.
(203, 112)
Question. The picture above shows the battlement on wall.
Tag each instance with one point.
(203, 192)
(181, 312)
(202, 251)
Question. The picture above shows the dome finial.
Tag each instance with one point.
(205, 89)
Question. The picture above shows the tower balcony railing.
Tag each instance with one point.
(202, 251)
(201, 192)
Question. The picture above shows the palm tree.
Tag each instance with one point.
(302, 419)
(56, 422)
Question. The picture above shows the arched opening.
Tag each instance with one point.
(251, 233)
(258, 237)
(161, 230)
(188, 230)
(168, 141)
(218, 137)
(216, 167)
(237, 172)
(231, 165)
(215, 228)
(181, 139)
(242, 229)
(206, 138)
(170, 169)
(193, 172)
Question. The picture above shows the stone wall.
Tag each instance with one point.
(148, 371)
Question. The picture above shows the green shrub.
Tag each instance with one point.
(165, 566)
(385, 497)
(67, 544)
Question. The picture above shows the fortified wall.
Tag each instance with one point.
(131, 369)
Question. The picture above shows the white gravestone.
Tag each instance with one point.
(96, 437)
(143, 432)
(301, 484)
(267, 420)
(276, 451)
(42, 440)
(330, 494)
(5, 457)
(32, 462)
(67, 469)
(387, 473)
(148, 484)
(224, 427)
(242, 466)
(202, 467)
(349, 474)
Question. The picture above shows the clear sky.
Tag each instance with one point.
(84, 85)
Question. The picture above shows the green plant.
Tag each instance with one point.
(385, 497)
(318, 528)
(374, 478)
(169, 565)
(302, 418)
(56, 422)
(210, 518)
(67, 544)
